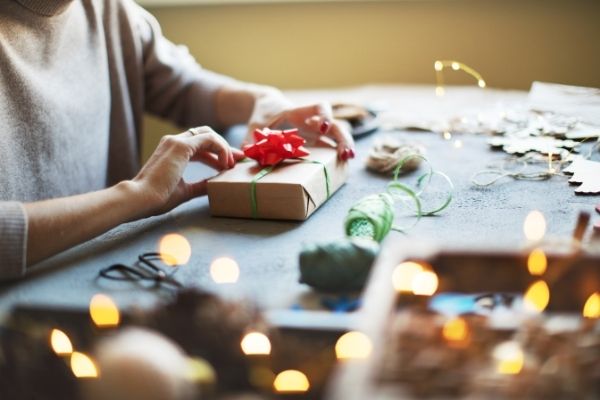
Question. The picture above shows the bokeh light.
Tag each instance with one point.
(537, 262)
(60, 342)
(104, 311)
(425, 283)
(224, 270)
(83, 366)
(591, 309)
(174, 249)
(537, 296)
(291, 381)
(353, 346)
(509, 358)
(256, 343)
(534, 226)
(456, 331)
(200, 371)
(404, 274)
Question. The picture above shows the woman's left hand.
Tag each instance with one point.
(312, 122)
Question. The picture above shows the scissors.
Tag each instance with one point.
(144, 269)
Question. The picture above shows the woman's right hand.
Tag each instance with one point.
(160, 182)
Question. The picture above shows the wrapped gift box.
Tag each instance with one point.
(293, 190)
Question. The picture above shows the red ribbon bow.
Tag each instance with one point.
(271, 147)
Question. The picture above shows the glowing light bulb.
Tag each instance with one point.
(256, 343)
(291, 381)
(455, 66)
(353, 346)
(224, 270)
(509, 358)
(537, 296)
(438, 65)
(83, 366)
(425, 283)
(404, 274)
(447, 135)
(458, 144)
(537, 262)
(60, 342)
(456, 330)
(104, 311)
(439, 91)
(174, 249)
(534, 226)
(591, 309)
(481, 83)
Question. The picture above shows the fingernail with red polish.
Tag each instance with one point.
(324, 128)
(351, 153)
(345, 155)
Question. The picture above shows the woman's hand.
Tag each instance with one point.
(160, 182)
(313, 122)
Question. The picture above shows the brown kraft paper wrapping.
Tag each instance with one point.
(292, 191)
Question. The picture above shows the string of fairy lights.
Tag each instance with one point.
(439, 67)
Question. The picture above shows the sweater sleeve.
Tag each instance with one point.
(13, 240)
(176, 86)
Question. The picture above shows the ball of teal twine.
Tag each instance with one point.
(340, 265)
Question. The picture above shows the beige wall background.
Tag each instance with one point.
(312, 44)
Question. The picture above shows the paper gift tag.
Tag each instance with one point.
(544, 145)
(585, 172)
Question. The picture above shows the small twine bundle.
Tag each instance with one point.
(388, 152)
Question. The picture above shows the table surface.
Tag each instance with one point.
(267, 251)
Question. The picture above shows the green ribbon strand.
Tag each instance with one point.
(327, 182)
(253, 203)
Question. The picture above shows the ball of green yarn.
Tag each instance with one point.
(341, 265)
(371, 217)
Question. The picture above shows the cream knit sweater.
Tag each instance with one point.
(76, 77)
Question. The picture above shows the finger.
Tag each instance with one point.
(297, 117)
(209, 159)
(318, 109)
(319, 124)
(341, 134)
(197, 189)
(237, 154)
(209, 141)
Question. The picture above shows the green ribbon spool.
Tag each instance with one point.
(266, 170)
(373, 216)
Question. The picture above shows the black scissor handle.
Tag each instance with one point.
(121, 272)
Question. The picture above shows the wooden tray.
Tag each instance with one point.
(572, 279)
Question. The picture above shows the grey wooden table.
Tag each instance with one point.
(267, 251)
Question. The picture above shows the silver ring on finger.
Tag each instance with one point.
(194, 131)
